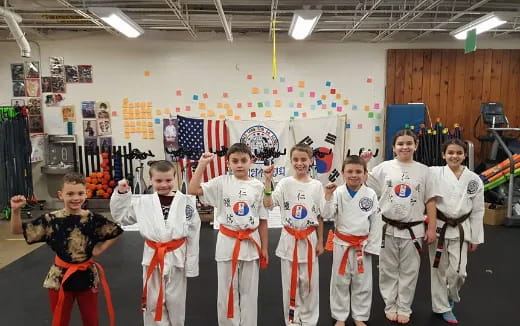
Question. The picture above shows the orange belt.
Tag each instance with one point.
(161, 248)
(299, 235)
(71, 269)
(355, 241)
(239, 236)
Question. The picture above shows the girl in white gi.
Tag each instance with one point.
(405, 191)
(169, 223)
(301, 200)
(357, 237)
(242, 239)
(460, 211)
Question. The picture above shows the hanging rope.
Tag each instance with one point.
(275, 73)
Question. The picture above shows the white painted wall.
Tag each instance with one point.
(214, 67)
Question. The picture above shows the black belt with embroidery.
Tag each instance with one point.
(453, 222)
(401, 226)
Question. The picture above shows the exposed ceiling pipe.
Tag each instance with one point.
(12, 21)
(358, 23)
(225, 23)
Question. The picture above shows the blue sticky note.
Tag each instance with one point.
(347, 125)
(291, 104)
(377, 128)
(333, 104)
(320, 102)
(267, 104)
(157, 121)
(195, 97)
(313, 107)
(328, 83)
(354, 107)
(282, 79)
(296, 113)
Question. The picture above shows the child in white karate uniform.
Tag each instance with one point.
(460, 213)
(301, 201)
(406, 191)
(357, 236)
(242, 240)
(169, 222)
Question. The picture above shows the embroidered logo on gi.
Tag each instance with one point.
(259, 138)
(299, 212)
(189, 212)
(240, 208)
(402, 190)
(366, 204)
(472, 187)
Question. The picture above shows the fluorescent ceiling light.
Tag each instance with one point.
(482, 24)
(303, 23)
(117, 19)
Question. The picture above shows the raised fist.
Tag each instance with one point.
(18, 202)
(268, 172)
(123, 186)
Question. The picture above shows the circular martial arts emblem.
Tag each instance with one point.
(260, 138)
(299, 212)
(472, 187)
(241, 208)
(366, 204)
(403, 190)
(189, 212)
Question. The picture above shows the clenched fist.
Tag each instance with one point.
(268, 172)
(123, 186)
(18, 202)
(206, 158)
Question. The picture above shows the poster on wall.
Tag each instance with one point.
(32, 87)
(16, 102)
(35, 124)
(17, 72)
(104, 127)
(69, 113)
(38, 148)
(105, 144)
(90, 145)
(89, 128)
(85, 73)
(46, 85)
(71, 74)
(170, 138)
(88, 109)
(35, 106)
(103, 110)
(19, 88)
(57, 66)
(32, 69)
(58, 84)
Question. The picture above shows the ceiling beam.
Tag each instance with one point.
(177, 11)
(83, 13)
(274, 8)
(358, 23)
(225, 22)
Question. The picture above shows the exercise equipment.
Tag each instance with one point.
(139, 185)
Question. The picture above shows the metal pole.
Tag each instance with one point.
(512, 171)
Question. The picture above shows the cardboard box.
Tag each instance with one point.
(494, 216)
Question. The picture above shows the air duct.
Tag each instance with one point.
(12, 21)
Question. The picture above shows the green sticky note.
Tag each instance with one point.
(302, 94)
(260, 104)
(470, 44)
(371, 114)
(379, 116)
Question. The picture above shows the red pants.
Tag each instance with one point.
(87, 302)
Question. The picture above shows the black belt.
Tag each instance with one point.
(402, 226)
(453, 222)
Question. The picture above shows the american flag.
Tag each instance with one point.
(201, 135)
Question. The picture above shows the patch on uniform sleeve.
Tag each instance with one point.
(472, 187)
(366, 204)
(189, 212)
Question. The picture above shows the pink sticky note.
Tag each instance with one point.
(299, 105)
(289, 89)
(369, 80)
(239, 105)
(205, 95)
(225, 94)
(178, 92)
(188, 108)
(249, 104)
(249, 76)
(377, 106)
(253, 114)
(177, 109)
(114, 113)
(312, 94)
(304, 114)
(324, 106)
(339, 109)
(333, 91)
(360, 126)
(275, 91)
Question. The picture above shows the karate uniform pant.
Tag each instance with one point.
(399, 264)
(307, 309)
(352, 282)
(245, 289)
(445, 281)
(174, 300)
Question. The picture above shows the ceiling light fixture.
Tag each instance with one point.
(482, 24)
(117, 19)
(303, 22)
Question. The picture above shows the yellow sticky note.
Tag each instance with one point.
(378, 139)
(268, 114)
(150, 130)
(147, 73)
(301, 83)
(143, 105)
(131, 105)
(345, 101)
(237, 117)
(324, 97)
(145, 136)
(150, 124)
(125, 111)
(126, 124)
(203, 115)
(132, 123)
(211, 113)
(125, 105)
(151, 136)
(202, 106)
(255, 90)
(338, 96)
(367, 108)
(127, 135)
(226, 105)
(125, 116)
(222, 117)
(125, 100)
(229, 112)
(158, 112)
(219, 105)
(167, 111)
(149, 104)
(277, 103)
